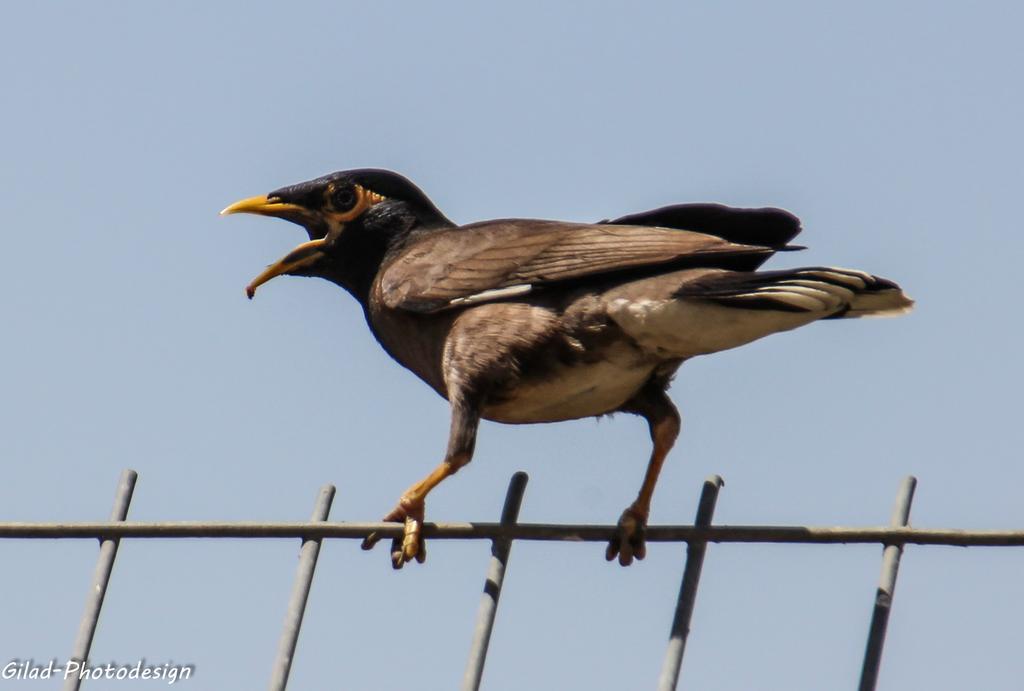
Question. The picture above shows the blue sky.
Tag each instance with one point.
(893, 130)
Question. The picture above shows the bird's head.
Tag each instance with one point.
(353, 219)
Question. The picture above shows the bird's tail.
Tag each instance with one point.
(842, 292)
(882, 302)
(711, 309)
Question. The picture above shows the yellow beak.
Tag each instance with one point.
(264, 206)
(306, 254)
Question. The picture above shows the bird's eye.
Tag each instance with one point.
(343, 198)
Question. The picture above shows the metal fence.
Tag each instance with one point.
(502, 534)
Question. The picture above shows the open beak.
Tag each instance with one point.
(264, 206)
(303, 256)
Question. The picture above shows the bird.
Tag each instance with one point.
(532, 321)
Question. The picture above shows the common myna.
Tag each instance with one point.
(522, 321)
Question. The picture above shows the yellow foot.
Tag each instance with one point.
(410, 546)
(628, 543)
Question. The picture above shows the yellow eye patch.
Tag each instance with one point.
(364, 200)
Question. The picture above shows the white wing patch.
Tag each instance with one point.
(495, 294)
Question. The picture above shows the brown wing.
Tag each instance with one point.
(501, 259)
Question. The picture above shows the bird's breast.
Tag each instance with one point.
(415, 341)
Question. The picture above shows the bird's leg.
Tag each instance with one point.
(411, 505)
(663, 420)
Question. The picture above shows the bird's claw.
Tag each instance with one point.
(628, 543)
(410, 545)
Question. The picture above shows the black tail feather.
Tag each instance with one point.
(766, 227)
(840, 292)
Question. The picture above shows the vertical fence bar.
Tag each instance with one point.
(100, 579)
(500, 550)
(308, 554)
(688, 588)
(886, 588)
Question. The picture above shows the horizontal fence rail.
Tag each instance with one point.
(894, 538)
(519, 531)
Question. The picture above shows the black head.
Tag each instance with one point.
(353, 218)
